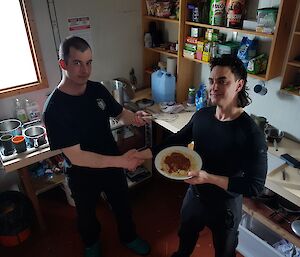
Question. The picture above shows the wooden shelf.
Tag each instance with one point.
(44, 183)
(148, 72)
(289, 92)
(262, 213)
(154, 18)
(161, 51)
(243, 31)
(258, 76)
(294, 63)
(291, 66)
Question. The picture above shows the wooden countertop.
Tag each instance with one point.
(274, 179)
(24, 159)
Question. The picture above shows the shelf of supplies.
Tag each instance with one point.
(243, 31)
(257, 76)
(162, 51)
(45, 183)
(294, 63)
(262, 213)
(154, 18)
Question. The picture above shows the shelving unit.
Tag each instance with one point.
(162, 51)
(243, 31)
(151, 56)
(291, 72)
(187, 66)
(45, 183)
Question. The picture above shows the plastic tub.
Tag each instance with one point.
(163, 86)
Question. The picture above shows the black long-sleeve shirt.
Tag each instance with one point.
(236, 149)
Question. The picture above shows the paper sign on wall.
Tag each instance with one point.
(81, 27)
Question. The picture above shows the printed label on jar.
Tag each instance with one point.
(217, 12)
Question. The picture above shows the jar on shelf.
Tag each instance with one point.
(217, 12)
(190, 9)
(235, 13)
(191, 96)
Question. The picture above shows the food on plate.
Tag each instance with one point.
(176, 164)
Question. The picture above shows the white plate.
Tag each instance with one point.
(196, 161)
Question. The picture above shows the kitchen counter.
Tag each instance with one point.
(290, 187)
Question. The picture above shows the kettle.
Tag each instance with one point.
(121, 89)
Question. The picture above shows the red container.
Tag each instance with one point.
(235, 13)
(13, 240)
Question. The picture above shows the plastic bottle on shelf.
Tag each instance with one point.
(32, 110)
(20, 112)
(217, 12)
(201, 97)
(148, 40)
(191, 96)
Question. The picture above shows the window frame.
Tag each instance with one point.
(36, 54)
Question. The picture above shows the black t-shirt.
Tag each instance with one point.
(84, 119)
(236, 149)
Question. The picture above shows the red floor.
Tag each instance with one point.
(156, 206)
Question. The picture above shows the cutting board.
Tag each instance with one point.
(275, 173)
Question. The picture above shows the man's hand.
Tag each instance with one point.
(199, 177)
(202, 177)
(139, 119)
(130, 160)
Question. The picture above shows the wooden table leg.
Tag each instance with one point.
(26, 180)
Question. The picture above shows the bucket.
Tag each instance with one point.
(163, 86)
(16, 218)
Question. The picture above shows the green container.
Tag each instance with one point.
(217, 12)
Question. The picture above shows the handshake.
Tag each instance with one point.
(134, 158)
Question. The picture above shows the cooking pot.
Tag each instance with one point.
(274, 136)
(35, 135)
(121, 89)
(288, 206)
(11, 126)
(266, 195)
(260, 121)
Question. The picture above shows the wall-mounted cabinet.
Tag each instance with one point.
(276, 44)
(291, 74)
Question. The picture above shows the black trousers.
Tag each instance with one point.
(222, 217)
(86, 186)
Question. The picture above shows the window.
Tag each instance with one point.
(21, 67)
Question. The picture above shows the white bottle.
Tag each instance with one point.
(32, 110)
(20, 112)
(148, 40)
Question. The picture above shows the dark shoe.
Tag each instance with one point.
(92, 251)
(139, 246)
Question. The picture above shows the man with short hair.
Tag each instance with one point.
(234, 155)
(76, 116)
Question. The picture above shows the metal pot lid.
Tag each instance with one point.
(296, 227)
(34, 132)
(9, 125)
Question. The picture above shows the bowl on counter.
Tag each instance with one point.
(11, 126)
(35, 136)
